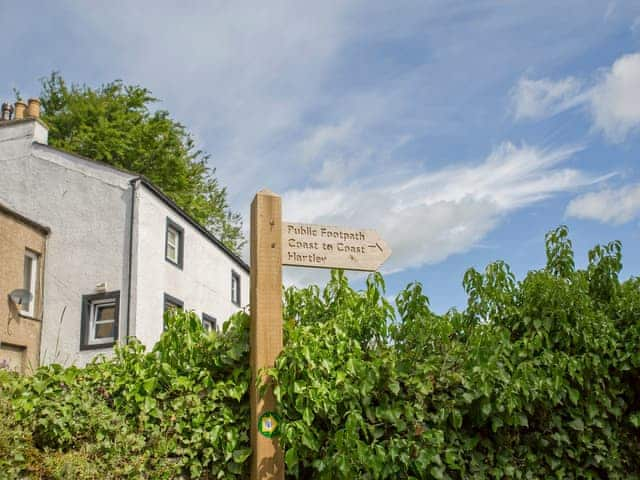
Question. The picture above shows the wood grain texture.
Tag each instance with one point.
(267, 460)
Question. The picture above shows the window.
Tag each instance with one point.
(174, 244)
(30, 281)
(235, 288)
(100, 314)
(170, 303)
(209, 323)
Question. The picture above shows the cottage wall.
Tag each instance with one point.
(19, 332)
(203, 282)
(85, 205)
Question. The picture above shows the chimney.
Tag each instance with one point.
(33, 109)
(31, 131)
(20, 108)
(7, 110)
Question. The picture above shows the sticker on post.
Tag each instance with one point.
(269, 424)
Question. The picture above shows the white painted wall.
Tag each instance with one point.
(85, 205)
(203, 283)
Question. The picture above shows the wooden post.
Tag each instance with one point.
(267, 460)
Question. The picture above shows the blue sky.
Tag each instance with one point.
(462, 131)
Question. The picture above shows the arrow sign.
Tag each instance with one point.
(328, 246)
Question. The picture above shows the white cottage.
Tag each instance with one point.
(119, 252)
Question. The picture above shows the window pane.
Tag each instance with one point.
(106, 312)
(104, 330)
(169, 305)
(235, 288)
(172, 237)
(28, 271)
(28, 262)
(100, 320)
(173, 244)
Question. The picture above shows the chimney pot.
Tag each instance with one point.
(20, 109)
(33, 109)
(7, 110)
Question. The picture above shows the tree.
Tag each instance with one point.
(115, 124)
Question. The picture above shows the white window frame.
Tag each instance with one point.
(90, 306)
(175, 244)
(93, 321)
(33, 284)
(236, 295)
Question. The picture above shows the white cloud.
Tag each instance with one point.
(256, 81)
(318, 101)
(544, 98)
(613, 98)
(427, 217)
(607, 206)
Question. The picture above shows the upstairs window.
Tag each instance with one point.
(100, 314)
(209, 323)
(235, 288)
(30, 281)
(174, 244)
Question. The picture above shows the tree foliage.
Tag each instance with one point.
(115, 124)
(537, 378)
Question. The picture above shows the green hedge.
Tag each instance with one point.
(534, 379)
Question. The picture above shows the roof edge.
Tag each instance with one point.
(163, 196)
(12, 213)
(89, 160)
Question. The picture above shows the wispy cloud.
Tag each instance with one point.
(612, 98)
(283, 95)
(544, 97)
(429, 216)
(607, 206)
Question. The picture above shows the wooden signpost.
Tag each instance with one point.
(273, 244)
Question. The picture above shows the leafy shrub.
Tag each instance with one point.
(178, 409)
(536, 378)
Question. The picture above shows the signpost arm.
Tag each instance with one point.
(267, 460)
